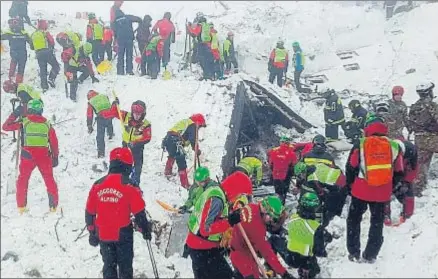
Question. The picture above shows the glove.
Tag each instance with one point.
(287, 275)
(94, 79)
(54, 162)
(226, 238)
(234, 217)
(90, 129)
(182, 209)
(93, 239)
(147, 234)
(198, 152)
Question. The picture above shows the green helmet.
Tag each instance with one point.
(88, 48)
(91, 15)
(295, 44)
(273, 206)
(284, 139)
(202, 174)
(35, 106)
(300, 168)
(371, 117)
(309, 200)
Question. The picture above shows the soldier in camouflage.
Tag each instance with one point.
(423, 120)
(397, 117)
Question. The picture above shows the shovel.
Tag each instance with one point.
(104, 67)
(166, 74)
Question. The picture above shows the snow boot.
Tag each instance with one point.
(100, 154)
(354, 258)
(367, 259)
(183, 178)
(169, 166)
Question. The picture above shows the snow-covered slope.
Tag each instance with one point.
(322, 29)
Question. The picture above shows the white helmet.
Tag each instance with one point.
(425, 88)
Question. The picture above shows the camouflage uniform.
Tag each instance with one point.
(397, 119)
(423, 120)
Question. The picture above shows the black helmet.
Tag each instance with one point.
(353, 104)
(167, 15)
(382, 107)
(202, 19)
(147, 18)
(319, 140)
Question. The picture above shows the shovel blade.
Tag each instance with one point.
(104, 67)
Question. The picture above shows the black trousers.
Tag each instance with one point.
(124, 53)
(231, 60)
(108, 49)
(166, 52)
(137, 152)
(118, 254)
(210, 263)
(174, 147)
(332, 131)
(297, 75)
(206, 60)
(18, 62)
(98, 52)
(282, 186)
(150, 65)
(276, 73)
(103, 125)
(85, 73)
(375, 233)
(47, 57)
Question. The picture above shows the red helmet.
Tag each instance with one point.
(236, 184)
(42, 24)
(138, 107)
(91, 94)
(198, 119)
(9, 86)
(123, 154)
(398, 90)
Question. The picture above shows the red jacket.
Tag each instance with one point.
(279, 64)
(302, 148)
(108, 35)
(12, 125)
(111, 201)
(147, 131)
(107, 113)
(211, 223)
(50, 40)
(165, 28)
(67, 54)
(281, 159)
(255, 229)
(359, 186)
(195, 30)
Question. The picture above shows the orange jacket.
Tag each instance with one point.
(108, 35)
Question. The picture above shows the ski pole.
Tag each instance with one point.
(151, 255)
(253, 253)
(162, 154)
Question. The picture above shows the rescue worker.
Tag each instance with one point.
(182, 134)
(76, 59)
(39, 148)
(218, 58)
(17, 38)
(319, 153)
(278, 63)
(353, 128)
(114, 9)
(124, 35)
(144, 32)
(333, 115)
(325, 181)
(166, 30)
(195, 40)
(252, 166)
(281, 160)
(423, 118)
(100, 105)
(136, 133)
(18, 10)
(397, 117)
(110, 203)
(25, 93)
(298, 60)
(403, 191)
(68, 39)
(230, 54)
(107, 43)
(202, 183)
(212, 217)
(44, 45)
(374, 165)
(202, 30)
(254, 218)
(305, 238)
(151, 55)
(95, 36)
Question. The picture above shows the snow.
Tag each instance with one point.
(323, 29)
